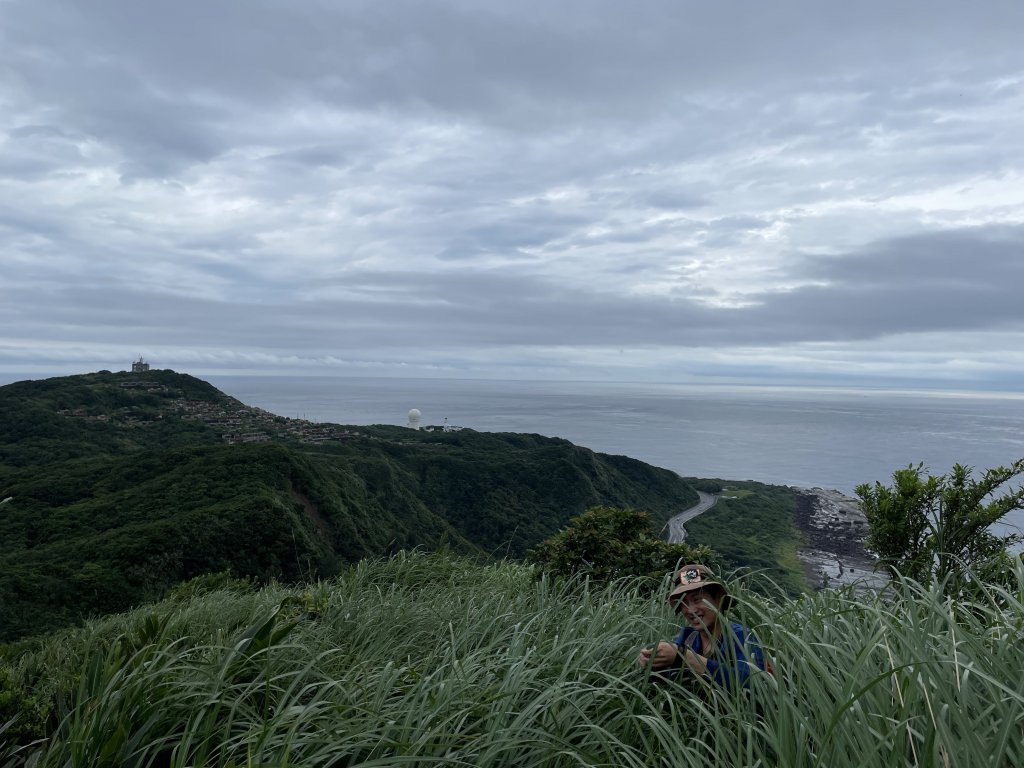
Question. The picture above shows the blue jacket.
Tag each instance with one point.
(724, 664)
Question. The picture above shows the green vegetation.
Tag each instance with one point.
(48, 422)
(433, 659)
(131, 491)
(752, 527)
(940, 528)
(604, 544)
(124, 485)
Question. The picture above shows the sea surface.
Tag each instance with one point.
(807, 437)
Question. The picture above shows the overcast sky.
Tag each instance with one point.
(763, 192)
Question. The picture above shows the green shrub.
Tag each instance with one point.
(941, 528)
(706, 485)
(22, 715)
(211, 582)
(605, 543)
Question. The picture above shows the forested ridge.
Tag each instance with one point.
(122, 485)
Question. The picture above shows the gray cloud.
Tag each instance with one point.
(891, 288)
(477, 182)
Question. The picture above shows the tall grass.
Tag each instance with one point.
(427, 659)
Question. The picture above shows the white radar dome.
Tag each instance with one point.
(414, 418)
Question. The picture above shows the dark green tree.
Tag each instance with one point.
(605, 543)
(940, 528)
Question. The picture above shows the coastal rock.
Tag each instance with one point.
(835, 529)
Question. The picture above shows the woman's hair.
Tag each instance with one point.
(719, 592)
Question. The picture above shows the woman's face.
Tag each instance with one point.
(701, 607)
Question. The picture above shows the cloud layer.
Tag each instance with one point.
(788, 191)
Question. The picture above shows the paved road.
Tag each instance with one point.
(676, 531)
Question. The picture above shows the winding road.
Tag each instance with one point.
(676, 531)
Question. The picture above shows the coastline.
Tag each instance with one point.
(835, 529)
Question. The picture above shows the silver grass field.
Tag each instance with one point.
(434, 660)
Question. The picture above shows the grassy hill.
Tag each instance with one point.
(439, 660)
(123, 485)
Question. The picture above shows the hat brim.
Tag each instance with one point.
(723, 603)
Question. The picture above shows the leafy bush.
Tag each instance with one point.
(211, 582)
(22, 715)
(705, 484)
(606, 543)
(940, 528)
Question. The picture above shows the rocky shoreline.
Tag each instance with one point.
(835, 529)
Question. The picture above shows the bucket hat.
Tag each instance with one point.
(695, 576)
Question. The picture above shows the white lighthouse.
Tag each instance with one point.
(414, 418)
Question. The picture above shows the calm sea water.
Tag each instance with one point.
(805, 437)
(832, 438)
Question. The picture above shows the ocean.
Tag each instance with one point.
(807, 437)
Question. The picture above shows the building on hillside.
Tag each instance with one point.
(140, 366)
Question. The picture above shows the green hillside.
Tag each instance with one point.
(122, 485)
(752, 527)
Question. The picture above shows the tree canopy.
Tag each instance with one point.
(928, 527)
(605, 543)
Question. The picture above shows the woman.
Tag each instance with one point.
(707, 644)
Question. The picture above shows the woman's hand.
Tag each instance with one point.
(659, 656)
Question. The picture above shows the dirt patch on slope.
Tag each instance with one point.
(312, 512)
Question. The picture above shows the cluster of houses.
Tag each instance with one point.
(245, 424)
(309, 432)
(145, 386)
(237, 424)
(240, 424)
(82, 413)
